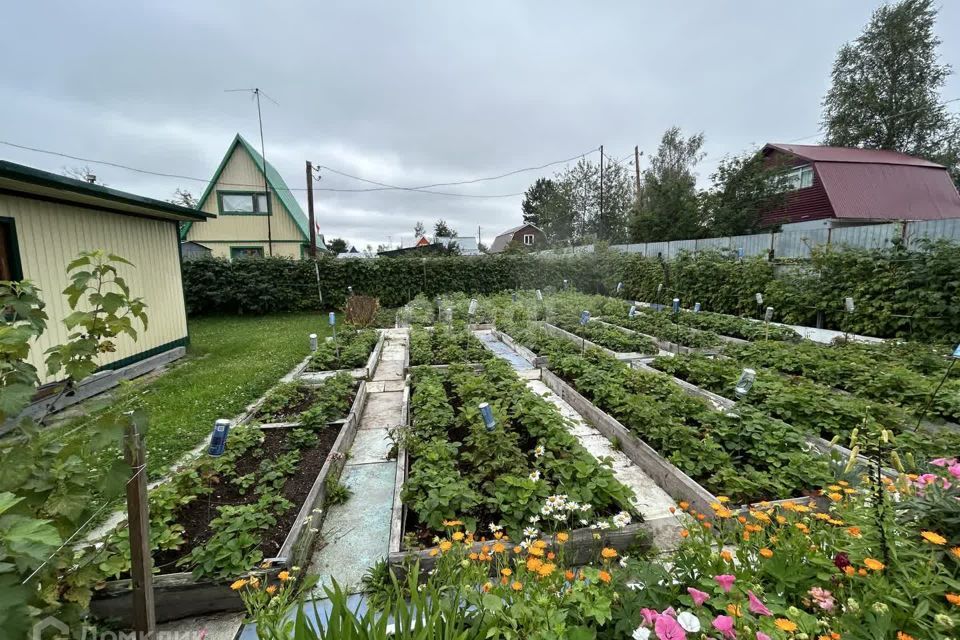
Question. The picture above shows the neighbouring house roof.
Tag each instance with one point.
(275, 182)
(18, 178)
(872, 184)
(501, 241)
(467, 244)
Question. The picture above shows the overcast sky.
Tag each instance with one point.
(413, 93)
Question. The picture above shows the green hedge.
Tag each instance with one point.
(898, 292)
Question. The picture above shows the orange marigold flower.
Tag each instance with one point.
(802, 527)
(540, 544)
(517, 586)
(753, 528)
(933, 538)
(546, 569)
(854, 531)
(684, 505)
(953, 599)
(742, 519)
(457, 536)
(955, 551)
(499, 547)
(781, 520)
(684, 533)
(504, 580)
(766, 553)
(473, 556)
(433, 553)
(836, 497)
(271, 589)
(239, 584)
(604, 577)
(535, 551)
(849, 570)
(517, 549)
(608, 553)
(862, 572)
(568, 575)
(534, 563)
(563, 536)
(726, 555)
(746, 536)
(785, 625)
(487, 586)
(701, 517)
(903, 636)
(708, 525)
(874, 565)
(551, 555)
(283, 576)
(445, 545)
(484, 549)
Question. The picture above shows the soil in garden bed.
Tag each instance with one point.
(196, 516)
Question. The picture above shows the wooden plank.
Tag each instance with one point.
(138, 519)
(374, 358)
(398, 509)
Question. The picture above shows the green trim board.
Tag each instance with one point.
(13, 248)
(183, 291)
(28, 175)
(255, 212)
(143, 355)
(274, 182)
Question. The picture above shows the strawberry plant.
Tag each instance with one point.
(349, 350)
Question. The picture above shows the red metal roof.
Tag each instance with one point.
(872, 184)
(816, 153)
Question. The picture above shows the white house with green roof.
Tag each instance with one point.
(249, 220)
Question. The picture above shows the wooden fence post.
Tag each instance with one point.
(138, 519)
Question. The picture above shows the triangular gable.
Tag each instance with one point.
(274, 181)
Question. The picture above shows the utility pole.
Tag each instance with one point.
(266, 187)
(479, 242)
(600, 226)
(138, 520)
(313, 221)
(636, 166)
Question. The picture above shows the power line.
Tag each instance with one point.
(891, 116)
(382, 186)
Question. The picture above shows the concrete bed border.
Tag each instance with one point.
(573, 338)
(178, 595)
(665, 345)
(365, 372)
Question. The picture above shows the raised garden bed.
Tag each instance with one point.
(608, 337)
(662, 327)
(745, 456)
(357, 348)
(261, 503)
(445, 345)
(451, 467)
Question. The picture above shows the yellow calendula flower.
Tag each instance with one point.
(873, 565)
(506, 571)
(569, 575)
(843, 483)
(563, 537)
(239, 584)
(517, 586)
(608, 553)
(499, 547)
(535, 551)
(785, 625)
(487, 586)
(734, 610)
(933, 538)
(272, 589)
(955, 551)
(445, 545)
(953, 599)
(540, 544)
(801, 508)
(452, 523)
(434, 553)
(802, 527)
(766, 553)
(283, 576)
(723, 499)
(834, 487)
(546, 569)
(854, 532)
(604, 577)
(457, 536)
(761, 516)
(836, 497)
(255, 582)
(726, 555)
(781, 520)
(533, 564)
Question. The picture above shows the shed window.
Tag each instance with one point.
(244, 203)
(242, 253)
(9, 251)
(528, 239)
(799, 178)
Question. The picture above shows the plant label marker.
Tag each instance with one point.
(956, 352)
(539, 295)
(696, 307)
(632, 312)
(448, 315)
(768, 316)
(513, 296)
(218, 439)
(619, 287)
(349, 291)
(332, 320)
(487, 414)
(565, 284)
(759, 297)
(472, 309)
(584, 317)
(848, 304)
(313, 342)
(676, 305)
(747, 377)
(740, 253)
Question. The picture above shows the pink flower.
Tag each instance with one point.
(757, 607)
(649, 616)
(669, 612)
(699, 597)
(724, 624)
(725, 580)
(954, 470)
(943, 462)
(762, 636)
(822, 597)
(669, 629)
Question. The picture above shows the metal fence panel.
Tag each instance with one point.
(657, 248)
(708, 244)
(677, 246)
(757, 244)
(797, 244)
(874, 236)
(932, 230)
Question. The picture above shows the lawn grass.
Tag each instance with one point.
(231, 361)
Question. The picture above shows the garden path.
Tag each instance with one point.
(356, 534)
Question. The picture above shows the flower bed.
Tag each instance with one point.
(261, 501)
(814, 408)
(444, 345)
(528, 473)
(746, 456)
(855, 371)
(354, 345)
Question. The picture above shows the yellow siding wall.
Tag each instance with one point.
(224, 231)
(50, 235)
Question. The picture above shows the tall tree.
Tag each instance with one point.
(744, 186)
(886, 88)
(419, 230)
(669, 208)
(443, 230)
(542, 205)
(337, 245)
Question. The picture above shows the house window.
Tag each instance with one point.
(799, 178)
(243, 203)
(243, 253)
(9, 251)
(528, 239)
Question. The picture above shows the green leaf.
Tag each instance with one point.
(8, 500)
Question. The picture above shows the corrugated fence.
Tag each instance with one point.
(797, 244)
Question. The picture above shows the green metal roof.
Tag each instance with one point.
(274, 180)
(86, 192)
